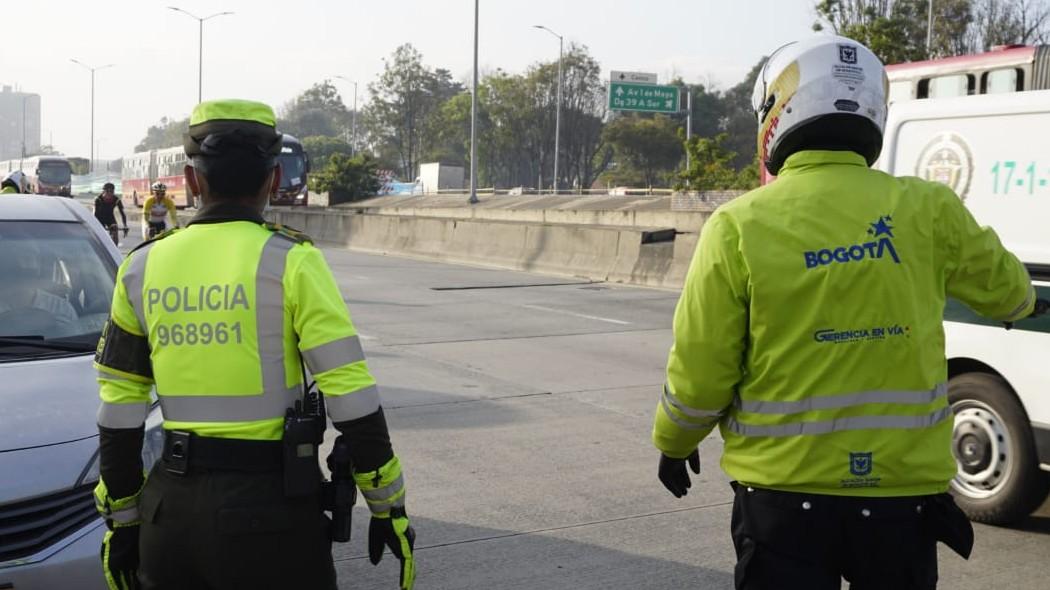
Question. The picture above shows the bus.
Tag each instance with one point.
(140, 170)
(295, 166)
(45, 175)
(1004, 69)
(993, 151)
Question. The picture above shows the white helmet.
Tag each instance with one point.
(833, 81)
(16, 179)
(158, 187)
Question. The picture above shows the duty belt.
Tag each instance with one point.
(185, 451)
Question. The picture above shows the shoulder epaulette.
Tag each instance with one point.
(286, 232)
(155, 238)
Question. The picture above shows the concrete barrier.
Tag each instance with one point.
(621, 251)
(657, 257)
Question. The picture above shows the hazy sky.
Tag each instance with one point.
(271, 50)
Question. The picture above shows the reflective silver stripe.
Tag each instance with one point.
(682, 423)
(276, 397)
(112, 415)
(335, 354)
(840, 424)
(354, 405)
(670, 398)
(381, 507)
(385, 493)
(1020, 308)
(125, 516)
(831, 402)
(134, 279)
(114, 377)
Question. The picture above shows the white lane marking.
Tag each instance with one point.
(579, 315)
(365, 337)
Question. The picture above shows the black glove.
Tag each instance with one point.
(394, 532)
(674, 476)
(120, 557)
(125, 231)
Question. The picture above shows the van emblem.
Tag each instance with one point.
(947, 159)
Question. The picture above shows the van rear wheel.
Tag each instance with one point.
(998, 479)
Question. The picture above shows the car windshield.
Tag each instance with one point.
(292, 168)
(56, 284)
(54, 174)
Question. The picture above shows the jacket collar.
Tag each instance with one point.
(225, 212)
(806, 159)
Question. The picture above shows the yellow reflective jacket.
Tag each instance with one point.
(810, 329)
(216, 316)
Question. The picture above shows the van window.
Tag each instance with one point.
(1004, 80)
(948, 86)
(900, 90)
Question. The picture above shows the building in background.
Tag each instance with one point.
(19, 122)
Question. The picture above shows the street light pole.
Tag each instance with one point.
(200, 45)
(353, 116)
(474, 116)
(557, 116)
(91, 162)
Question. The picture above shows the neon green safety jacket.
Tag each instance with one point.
(810, 329)
(221, 341)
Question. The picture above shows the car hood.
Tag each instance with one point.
(47, 402)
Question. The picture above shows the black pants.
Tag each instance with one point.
(787, 541)
(228, 530)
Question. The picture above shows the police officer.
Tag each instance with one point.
(809, 331)
(221, 340)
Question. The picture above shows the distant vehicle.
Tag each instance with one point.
(52, 176)
(295, 168)
(141, 169)
(45, 175)
(58, 269)
(1008, 68)
(993, 152)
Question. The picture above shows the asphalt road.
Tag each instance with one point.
(521, 406)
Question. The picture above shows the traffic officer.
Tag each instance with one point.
(12, 183)
(809, 331)
(216, 317)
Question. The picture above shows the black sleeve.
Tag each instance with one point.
(120, 205)
(120, 459)
(369, 441)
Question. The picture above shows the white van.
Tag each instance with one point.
(994, 151)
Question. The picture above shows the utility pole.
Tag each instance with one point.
(557, 116)
(688, 124)
(200, 44)
(929, 27)
(474, 117)
(91, 162)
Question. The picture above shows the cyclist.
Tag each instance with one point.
(154, 210)
(105, 203)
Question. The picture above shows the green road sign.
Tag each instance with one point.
(647, 98)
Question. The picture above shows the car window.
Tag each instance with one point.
(56, 281)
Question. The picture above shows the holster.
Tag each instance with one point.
(948, 524)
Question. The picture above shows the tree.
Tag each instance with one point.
(647, 146)
(896, 30)
(321, 148)
(404, 98)
(347, 178)
(318, 111)
(710, 164)
(166, 134)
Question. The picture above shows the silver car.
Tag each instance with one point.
(57, 271)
